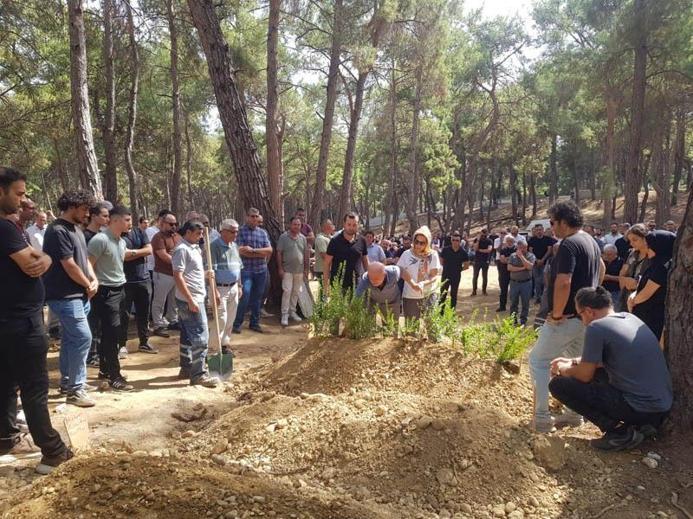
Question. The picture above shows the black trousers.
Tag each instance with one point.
(600, 402)
(450, 285)
(504, 283)
(138, 293)
(106, 305)
(23, 349)
(483, 267)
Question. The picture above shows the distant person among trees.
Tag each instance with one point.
(293, 262)
(541, 246)
(621, 382)
(37, 230)
(345, 250)
(648, 300)
(380, 286)
(613, 264)
(188, 272)
(454, 259)
(613, 235)
(577, 265)
(306, 229)
(482, 247)
(670, 226)
(420, 270)
(520, 266)
(505, 250)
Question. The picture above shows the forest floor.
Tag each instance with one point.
(317, 428)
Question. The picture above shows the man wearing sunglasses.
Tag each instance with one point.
(163, 244)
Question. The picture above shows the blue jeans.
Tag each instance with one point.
(75, 341)
(253, 290)
(520, 290)
(555, 340)
(194, 336)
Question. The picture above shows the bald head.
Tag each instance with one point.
(376, 273)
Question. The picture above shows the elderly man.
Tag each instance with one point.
(670, 226)
(227, 265)
(293, 258)
(520, 267)
(515, 233)
(380, 286)
(37, 230)
(255, 247)
(613, 268)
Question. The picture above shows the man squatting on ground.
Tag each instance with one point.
(621, 382)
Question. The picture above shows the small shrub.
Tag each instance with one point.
(440, 323)
(359, 319)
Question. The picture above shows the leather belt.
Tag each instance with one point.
(227, 284)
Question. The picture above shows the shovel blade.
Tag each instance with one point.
(220, 365)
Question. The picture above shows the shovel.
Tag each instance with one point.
(220, 364)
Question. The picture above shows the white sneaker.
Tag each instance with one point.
(295, 317)
(123, 353)
(285, 320)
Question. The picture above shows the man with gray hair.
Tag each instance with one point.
(227, 265)
(380, 285)
(613, 269)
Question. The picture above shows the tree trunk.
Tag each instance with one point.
(608, 171)
(132, 113)
(394, 205)
(524, 198)
(110, 174)
(553, 170)
(646, 188)
(533, 193)
(679, 333)
(175, 105)
(81, 117)
(274, 164)
(662, 176)
(354, 118)
(326, 137)
(188, 161)
(679, 153)
(513, 193)
(251, 181)
(633, 180)
(414, 181)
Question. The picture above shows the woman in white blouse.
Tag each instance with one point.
(420, 268)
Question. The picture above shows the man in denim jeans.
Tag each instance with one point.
(70, 284)
(520, 267)
(188, 273)
(577, 265)
(255, 247)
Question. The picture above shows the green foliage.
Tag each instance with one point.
(501, 340)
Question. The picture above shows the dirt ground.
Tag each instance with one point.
(339, 429)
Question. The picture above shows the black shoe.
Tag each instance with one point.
(102, 375)
(120, 384)
(54, 333)
(161, 332)
(648, 431)
(618, 440)
(174, 327)
(484, 293)
(257, 328)
(147, 348)
(472, 294)
(500, 309)
(93, 362)
(236, 330)
(49, 463)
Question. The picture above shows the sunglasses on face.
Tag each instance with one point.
(419, 242)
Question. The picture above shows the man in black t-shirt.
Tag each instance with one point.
(137, 290)
(23, 345)
(540, 245)
(577, 264)
(482, 247)
(345, 250)
(622, 244)
(70, 284)
(455, 259)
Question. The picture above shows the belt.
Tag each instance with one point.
(522, 281)
(227, 284)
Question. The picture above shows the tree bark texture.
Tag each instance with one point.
(354, 118)
(633, 180)
(176, 109)
(110, 173)
(326, 137)
(274, 164)
(81, 112)
(678, 329)
(414, 181)
(251, 181)
(609, 170)
(133, 94)
(553, 170)
(394, 204)
(679, 152)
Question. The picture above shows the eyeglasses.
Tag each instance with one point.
(172, 224)
(230, 231)
(419, 242)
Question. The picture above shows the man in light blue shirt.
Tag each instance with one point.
(227, 265)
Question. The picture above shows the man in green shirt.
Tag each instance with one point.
(107, 254)
(322, 240)
(292, 260)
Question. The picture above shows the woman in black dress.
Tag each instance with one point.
(647, 302)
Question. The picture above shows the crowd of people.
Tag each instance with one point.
(93, 267)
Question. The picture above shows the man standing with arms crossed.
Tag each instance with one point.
(255, 248)
(577, 264)
(541, 246)
(70, 284)
(23, 345)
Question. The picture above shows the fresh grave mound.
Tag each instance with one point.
(335, 366)
(122, 486)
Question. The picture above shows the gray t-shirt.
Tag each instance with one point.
(515, 261)
(389, 293)
(633, 359)
(293, 252)
(109, 251)
(187, 258)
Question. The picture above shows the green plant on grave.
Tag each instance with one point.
(512, 340)
(329, 312)
(359, 319)
(440, 323)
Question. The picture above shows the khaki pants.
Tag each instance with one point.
(228, 306)
(292, 286)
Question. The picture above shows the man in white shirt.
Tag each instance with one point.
(515, 232)
(610, 239)
(37, 230)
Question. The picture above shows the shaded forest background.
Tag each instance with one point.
(389, 107)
